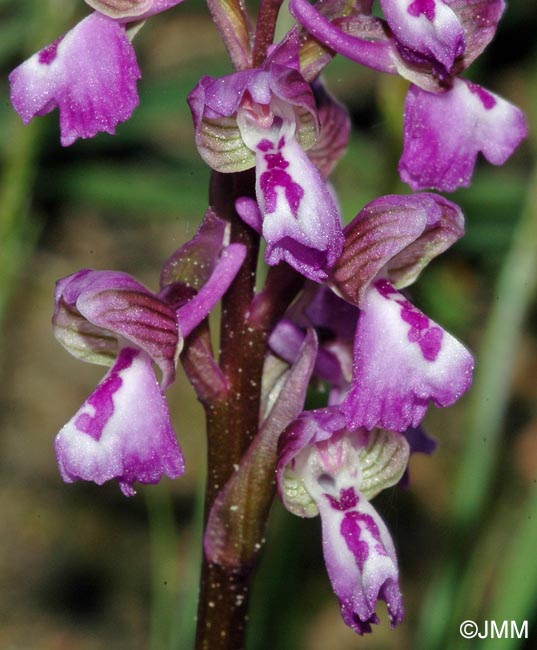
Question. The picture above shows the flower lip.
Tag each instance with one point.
(90, 75)
(402, 362)
(123, 431)
(443, 134)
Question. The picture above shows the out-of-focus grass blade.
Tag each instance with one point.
(516, 587)
(11, 33)
(134, 191)
(491, 203)
(515, 290)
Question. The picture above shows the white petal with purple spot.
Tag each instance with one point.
(445, 132)
(90, 74)
(122, 431)
(402, 362)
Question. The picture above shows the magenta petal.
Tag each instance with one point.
(285, 341)
(445, 132)
(402, 362)
(90, 74)
(249, 212)
(280, 77)
(309, 428)
(123, 430)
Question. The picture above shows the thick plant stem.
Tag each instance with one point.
(231, 422)
(232, 412)
(266, 26)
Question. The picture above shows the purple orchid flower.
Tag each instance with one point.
(402, 359)
(267, 118)
(325, 469)
(89, 74)
(123, 430)
(448, 120)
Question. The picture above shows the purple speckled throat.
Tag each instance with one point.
(428, 337)
(276, 176)
(353, 525)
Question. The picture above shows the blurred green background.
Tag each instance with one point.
(81, 566)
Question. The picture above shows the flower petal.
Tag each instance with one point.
(428, 28)
(310, 428)
(285, 341)
(378, 53)
(361, 561)
(90, 74)
(445, 132)
(94, 309)
(301, 222)
(401, 233)
(122, 431)
(199, 307)
(402, 361)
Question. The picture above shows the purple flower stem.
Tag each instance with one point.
(233, 23)
(232, 410)
(266, 26)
